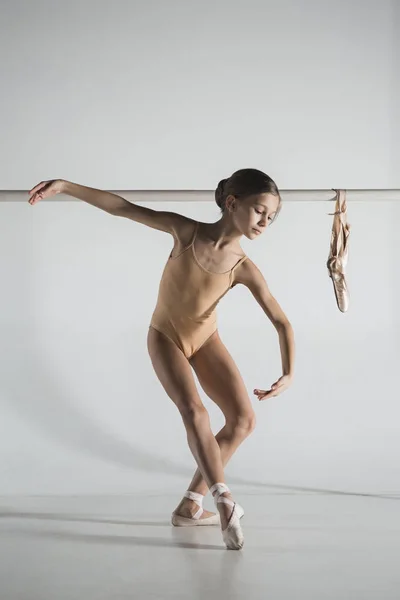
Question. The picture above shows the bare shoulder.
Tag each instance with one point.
(249, 275)
(184, 230)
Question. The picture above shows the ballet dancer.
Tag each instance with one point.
(205, 263)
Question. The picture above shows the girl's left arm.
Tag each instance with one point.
(250, 276)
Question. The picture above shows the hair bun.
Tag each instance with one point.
(219, 192)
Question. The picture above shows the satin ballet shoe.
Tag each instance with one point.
(195, 520)
(335, 270)
(232, 535)
(338, 253)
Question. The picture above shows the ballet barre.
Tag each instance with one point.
(208, 195)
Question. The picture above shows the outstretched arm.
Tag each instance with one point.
(112, 203)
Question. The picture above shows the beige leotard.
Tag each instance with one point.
(187, 300)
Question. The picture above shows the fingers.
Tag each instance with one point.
(39, 192)
(273, 389)
(272, 393)
(265, 396)
(276, 388)
(35, 198)
(37, 187)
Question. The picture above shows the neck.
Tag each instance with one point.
(223, 232)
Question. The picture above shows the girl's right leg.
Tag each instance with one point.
(175, 374)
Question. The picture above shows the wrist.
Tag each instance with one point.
(62, 184)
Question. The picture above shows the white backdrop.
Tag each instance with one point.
(177, 95)
(81, 409)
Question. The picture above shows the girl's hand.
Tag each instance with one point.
(45, 189)
(277, 388)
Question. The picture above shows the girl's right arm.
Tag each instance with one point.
(113, 204)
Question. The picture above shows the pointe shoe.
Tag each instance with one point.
(232, 535)
(179, 521)
(338, 254)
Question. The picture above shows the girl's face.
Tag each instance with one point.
(254, 213)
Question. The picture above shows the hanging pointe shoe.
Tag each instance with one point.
(338, 252)
(195, 520)
(233, 535)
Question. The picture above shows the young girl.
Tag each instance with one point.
(205, 263)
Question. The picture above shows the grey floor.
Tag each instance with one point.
(297, 545)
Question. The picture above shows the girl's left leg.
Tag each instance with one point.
(220, 379)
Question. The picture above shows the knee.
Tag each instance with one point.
(243, 425)
(192, 413)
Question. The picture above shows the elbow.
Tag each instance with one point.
(115, 211)
(283, 325)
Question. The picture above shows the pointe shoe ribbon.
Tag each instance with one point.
(195, 520)
(338, 254)
(232, 535)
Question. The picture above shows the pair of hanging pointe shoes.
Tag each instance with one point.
(338, 254)
(232, 534)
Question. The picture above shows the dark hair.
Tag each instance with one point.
(246, 182)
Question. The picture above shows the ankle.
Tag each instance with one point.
(218, 489)
(198, 496)
(191, 504)
(187, 508)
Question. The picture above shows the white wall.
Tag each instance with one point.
(176, 95)
(82, 410)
